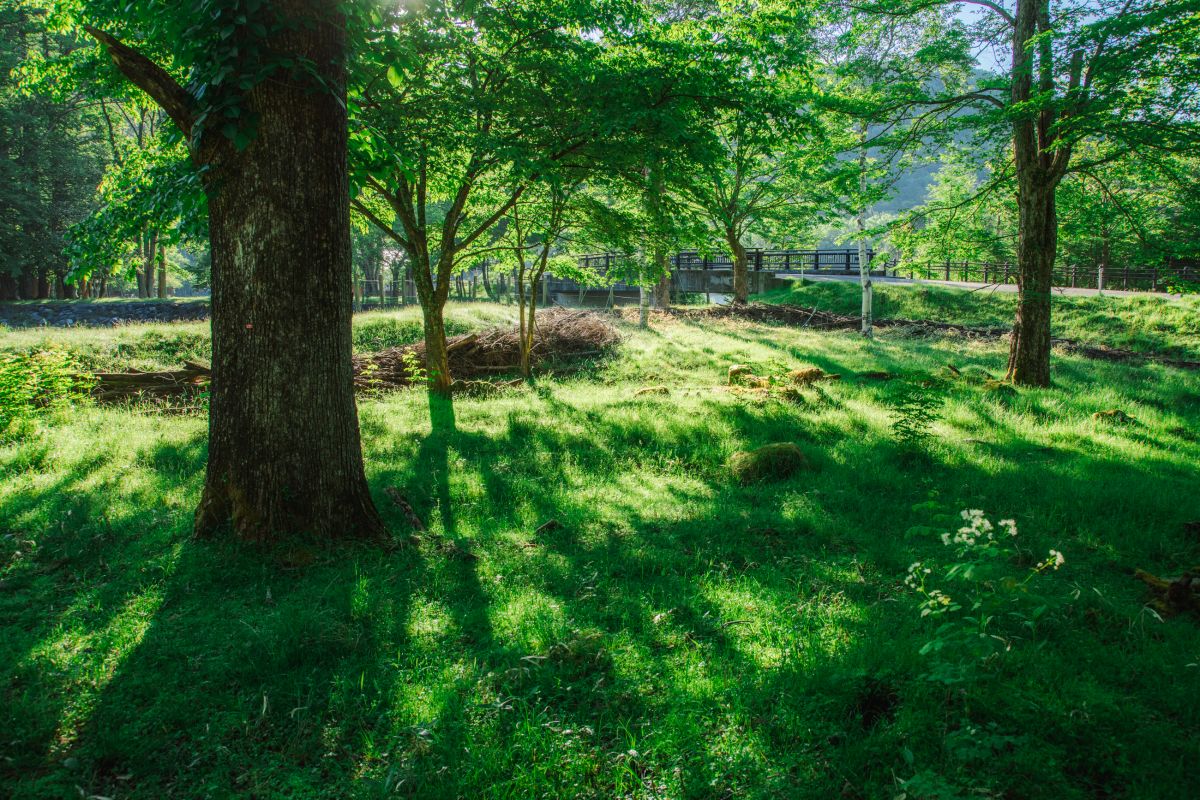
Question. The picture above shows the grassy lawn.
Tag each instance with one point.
(1149, 323)
(671, 635)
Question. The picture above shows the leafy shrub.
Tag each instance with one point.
(38, 381)
(915, 406)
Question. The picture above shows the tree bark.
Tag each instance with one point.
(148, 256)
(1040, 164)
(864, 269)
(741, 278)
(662, 289)
(284, 453)
(162, 272)
(1029, 348)
(437, 362)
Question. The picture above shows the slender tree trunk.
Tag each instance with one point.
(741, 277)
(162, 272)
(643, 307)
(864, 269)
(148, 258)
(437, 361)
(1105, 255)
(284, 452)
(1029, 349)
(864, 279)
(521, 321)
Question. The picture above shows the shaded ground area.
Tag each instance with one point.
(671, 635)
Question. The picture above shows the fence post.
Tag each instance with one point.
(1100, 276)
(847, 261)
(947, 269)
(758, 256)
(1154, 277)
(1125, 278)
(1074, 269)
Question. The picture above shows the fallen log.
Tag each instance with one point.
(560, 335)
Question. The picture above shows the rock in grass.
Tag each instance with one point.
(647, 391)
(769, 462)
(1114, 416)
(997, 387)
(810, 375)
(971, 375)
(740, 374)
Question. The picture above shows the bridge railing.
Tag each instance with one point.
(1126, 278)
(840, 260)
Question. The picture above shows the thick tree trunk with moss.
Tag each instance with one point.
(283, 451)
(741, 276)
(1029, 349)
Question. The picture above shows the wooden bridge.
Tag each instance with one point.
(696, 272)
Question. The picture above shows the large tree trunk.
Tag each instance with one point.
(284, 452)
(1029, 350)
(741, 277)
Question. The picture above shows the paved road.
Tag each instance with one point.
(987, 288)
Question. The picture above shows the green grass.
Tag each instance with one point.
(676, 635)
(1150, 323)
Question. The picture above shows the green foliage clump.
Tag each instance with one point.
(915, 406)
(36, 382)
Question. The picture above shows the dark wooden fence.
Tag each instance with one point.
(839, 261)
(1136, 278)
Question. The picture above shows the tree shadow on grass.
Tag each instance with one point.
(673, 635)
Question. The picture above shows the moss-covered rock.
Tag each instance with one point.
(769, 462)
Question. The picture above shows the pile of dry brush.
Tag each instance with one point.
(560, 336)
